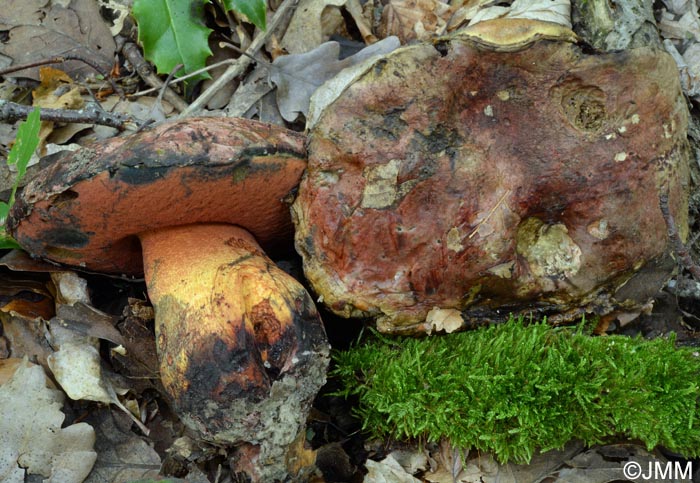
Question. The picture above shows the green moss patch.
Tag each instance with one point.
(514, 389)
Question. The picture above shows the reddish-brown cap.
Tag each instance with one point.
(89, 207)
(520, 181)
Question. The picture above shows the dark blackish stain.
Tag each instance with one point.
(586, 48)
(442, 47)
(248, 154)
(440, 139)
(392, 125)
(65, 197)
(140, 175)
(66, 238)
(311, 335)
(379, 67)
(393, 121)
(216, 359)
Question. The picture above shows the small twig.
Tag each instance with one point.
(242, 62)
(488, 215)
(168, 81)
(61, 59)
(186, 76)
(681, 250)
(151, 118)
(91, 113)
(145, 71)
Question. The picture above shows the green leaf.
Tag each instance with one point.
(172, 32)
(6, 241)
(253, 9)
(25, 144)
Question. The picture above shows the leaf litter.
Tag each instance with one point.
(119, 448)
(32, 439)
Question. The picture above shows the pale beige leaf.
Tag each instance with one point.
(76, 367)
(387, 471)
(32, 440)
(312, 24)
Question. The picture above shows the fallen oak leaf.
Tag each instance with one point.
(40, 29)
(292, 73)
(32, 440)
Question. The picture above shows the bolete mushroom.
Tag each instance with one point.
(526, 179)
(241, 346)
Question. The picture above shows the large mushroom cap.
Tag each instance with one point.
(87, 209)
(458, 177)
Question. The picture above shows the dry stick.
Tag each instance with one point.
(91, 113)
(61, 59)
(145, 71)
(242, 62)
(186, 76)
(680, 249)
(159, 99)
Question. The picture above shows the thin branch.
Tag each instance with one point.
(185, 77)
(91, 113)
(144, 70)
(683, 253)
(242, 62)
(151, 118)
(61, 59)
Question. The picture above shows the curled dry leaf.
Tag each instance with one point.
(122, 456)
(56, 91)
(70, 288)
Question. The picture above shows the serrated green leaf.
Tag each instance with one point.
(172, 32)
(253, 9)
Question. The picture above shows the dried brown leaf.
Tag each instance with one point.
(39, 29)
(413, 19)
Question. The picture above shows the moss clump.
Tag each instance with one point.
(514, 389)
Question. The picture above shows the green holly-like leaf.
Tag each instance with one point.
(25, 144)
(172, 32)
(253, 9)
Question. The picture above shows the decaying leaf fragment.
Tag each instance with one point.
(522, 181)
